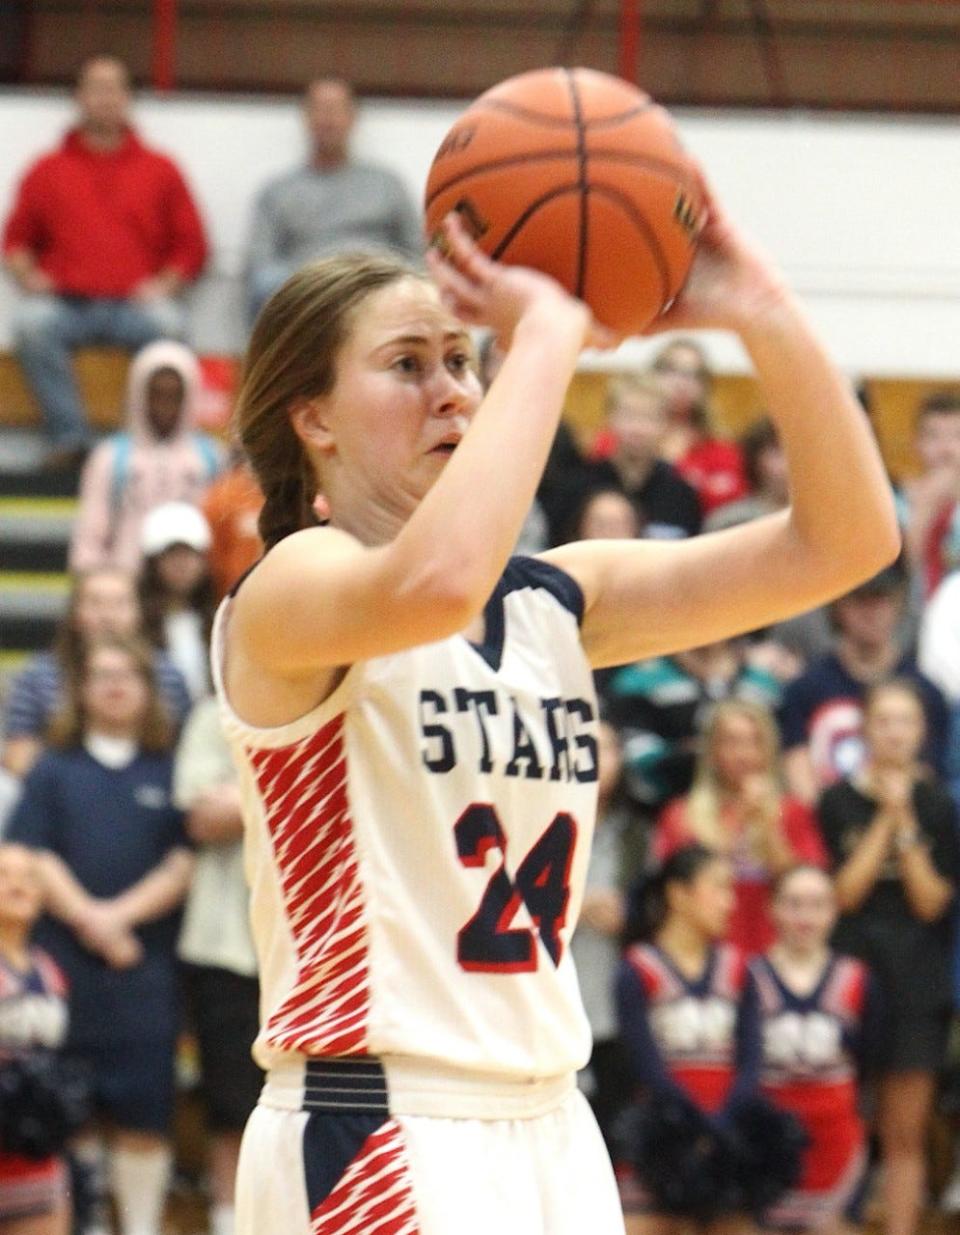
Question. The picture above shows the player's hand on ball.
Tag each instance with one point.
(730, 284)
(482, 292)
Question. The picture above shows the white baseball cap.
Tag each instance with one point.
(174, 523)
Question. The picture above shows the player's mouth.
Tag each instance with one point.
(447, 445)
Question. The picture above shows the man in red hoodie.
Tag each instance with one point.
(102, 238)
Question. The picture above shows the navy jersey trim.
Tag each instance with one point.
(524, 572)
(347, 1085)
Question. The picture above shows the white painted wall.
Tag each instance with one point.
(862, 213)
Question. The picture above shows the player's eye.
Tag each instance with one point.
(408, 365)
(458, 362)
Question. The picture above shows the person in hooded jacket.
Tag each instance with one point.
(160, 458)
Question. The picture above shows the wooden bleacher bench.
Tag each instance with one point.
(102, 373)
(736, 402)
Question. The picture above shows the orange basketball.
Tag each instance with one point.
(582, 176)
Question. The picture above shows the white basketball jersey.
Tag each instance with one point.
(417, 846)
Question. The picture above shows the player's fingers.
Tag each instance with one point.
(464, 252)
(456, 291)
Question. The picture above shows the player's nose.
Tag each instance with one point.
(450, 395)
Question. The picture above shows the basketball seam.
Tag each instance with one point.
(636, 160)
(556, 122)
(583, 182)
(641, 223)
(524, 218)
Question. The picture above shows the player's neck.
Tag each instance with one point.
(365, 516)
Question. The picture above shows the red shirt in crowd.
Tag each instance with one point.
(715, 469)
(101, 222)
(751, 929)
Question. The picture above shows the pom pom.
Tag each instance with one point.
(682, 1157)
(768, 1145)
(44, 1099)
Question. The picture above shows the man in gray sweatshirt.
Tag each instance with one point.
(330, 204)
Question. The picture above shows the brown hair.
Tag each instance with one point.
(69, 723)
(292, 356)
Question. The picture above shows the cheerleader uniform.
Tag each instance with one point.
(814, 1047)
(33, 1014)
(698, 1040)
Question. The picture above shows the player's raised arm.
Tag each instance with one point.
(647, 598)
(423, 513)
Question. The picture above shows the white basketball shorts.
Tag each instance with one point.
(328, 1152)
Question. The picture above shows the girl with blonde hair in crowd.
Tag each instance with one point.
(738, 806)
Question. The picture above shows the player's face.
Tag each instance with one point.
(404, 397)
(609, 516)
(804, 910)
(103, 94)
(114, 692)
(938, 441)
(106, 604)
(21, 893)
(894, 728)
(639, 421)
(738, 750)
(708, 899)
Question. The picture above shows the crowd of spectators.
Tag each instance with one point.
(827, 744)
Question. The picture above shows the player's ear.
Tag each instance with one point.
(311, 424)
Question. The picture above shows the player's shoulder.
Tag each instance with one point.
(542, 574)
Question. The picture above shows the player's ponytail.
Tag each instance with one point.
(291, 357)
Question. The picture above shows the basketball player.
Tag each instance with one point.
(414, 719)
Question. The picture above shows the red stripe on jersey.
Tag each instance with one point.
(375, 1194)
(304, 790)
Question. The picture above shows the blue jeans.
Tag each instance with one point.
(263, 281)
(46, 329)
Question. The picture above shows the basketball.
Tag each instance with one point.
(582, 176)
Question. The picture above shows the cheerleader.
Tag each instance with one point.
(33, 1014)
(817, 1014)
(689, 1022)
